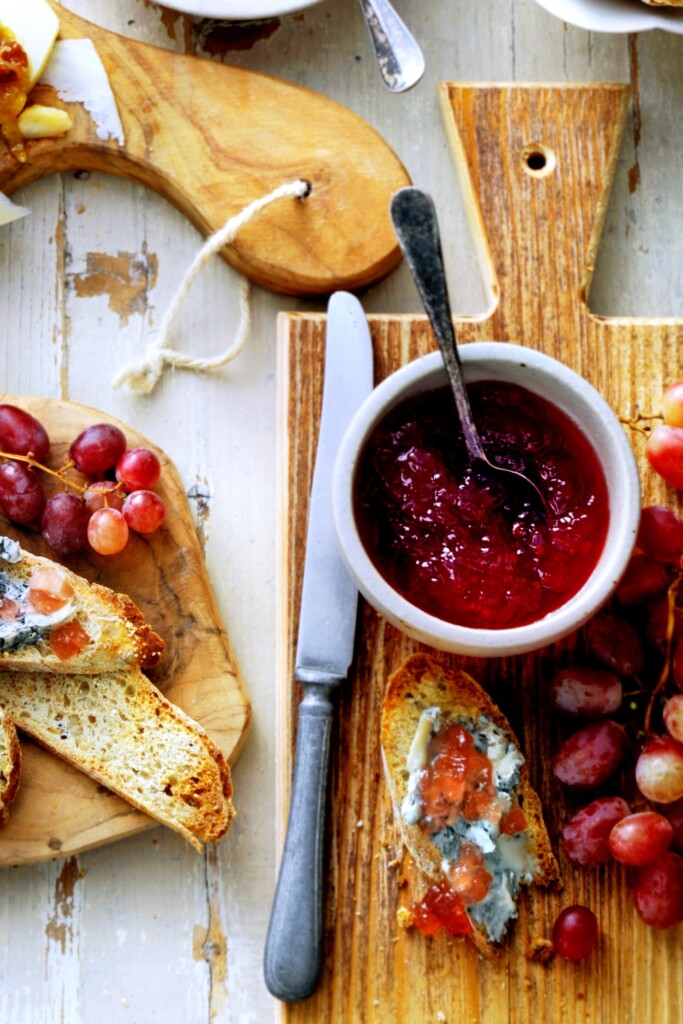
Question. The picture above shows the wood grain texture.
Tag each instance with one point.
(538, 236)
(212, 139)
(59, 811)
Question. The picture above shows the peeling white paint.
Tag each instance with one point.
(77, 73)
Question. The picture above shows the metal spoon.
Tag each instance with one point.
(400, 59)
(414, 217)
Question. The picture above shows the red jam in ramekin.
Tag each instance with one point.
(448, 539)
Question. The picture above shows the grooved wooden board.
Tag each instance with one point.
(59, 810)
(212, 139)
(538, 235)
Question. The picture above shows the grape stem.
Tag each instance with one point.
(60, 474)
(635, 423)
(671, 596)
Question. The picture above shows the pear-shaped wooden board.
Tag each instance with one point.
(535, 163)
(60, 811)
(211, 139)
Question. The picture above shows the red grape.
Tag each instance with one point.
(96, 494)
(586, 692)
(658, 891)
(673, 717)
(144, 511)
(22, 434)
(97, 448)
(672, 404)
(138, 469)
(664, 450)
(591, 755)
(575, 933)
(65, 524)
(660, 534)
(585, 839)
(640, 838)
(659, 770)
(673, 813)
(21, 493)
(644, 579)
(615, 644)
(107, 531)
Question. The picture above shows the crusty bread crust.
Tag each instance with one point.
(423, 682)
(10, 765)
(120, 636)
(120, 730)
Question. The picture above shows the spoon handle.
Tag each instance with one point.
(400, 59)
(414, 217)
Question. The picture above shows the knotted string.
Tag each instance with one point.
(142, 375)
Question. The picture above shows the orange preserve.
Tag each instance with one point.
(457, 783)
(462, 792)
(14, 86)
(441, 907)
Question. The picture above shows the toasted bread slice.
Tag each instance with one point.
(10, 765)
(109, 626)
(414, 693)
(119, 729)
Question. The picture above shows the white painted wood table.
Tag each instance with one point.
(145, 930)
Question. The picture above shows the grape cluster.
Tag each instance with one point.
(629, 693)
(100, 514)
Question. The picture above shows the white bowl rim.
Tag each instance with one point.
(428, 628)
(616, 16)
(248, 10)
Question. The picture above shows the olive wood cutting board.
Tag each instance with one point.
(59, 810)
(535, 164)
(212, 139)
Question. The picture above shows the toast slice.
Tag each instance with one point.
(482, 833)
(119, 729)
(91, 629)
(10, 765)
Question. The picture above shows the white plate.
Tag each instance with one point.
(616, 15)
(239, 8)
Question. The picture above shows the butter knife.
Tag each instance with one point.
(327, 624)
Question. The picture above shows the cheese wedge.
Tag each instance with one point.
(34, 25)
(9, 211)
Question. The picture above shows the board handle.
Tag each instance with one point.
(294, 945)
(536, 164)
(212, 139)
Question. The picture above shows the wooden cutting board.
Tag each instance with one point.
(212, 139)
(536, 164)
(59, 811)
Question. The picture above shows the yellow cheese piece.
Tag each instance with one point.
(39, 122)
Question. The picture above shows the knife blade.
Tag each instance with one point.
(327, 623)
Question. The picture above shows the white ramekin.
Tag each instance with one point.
(539, 373)
(616, 15)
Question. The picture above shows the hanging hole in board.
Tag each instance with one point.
(537, 160)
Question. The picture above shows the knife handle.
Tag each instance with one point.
(293, 954)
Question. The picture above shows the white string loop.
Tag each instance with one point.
(143, 374)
